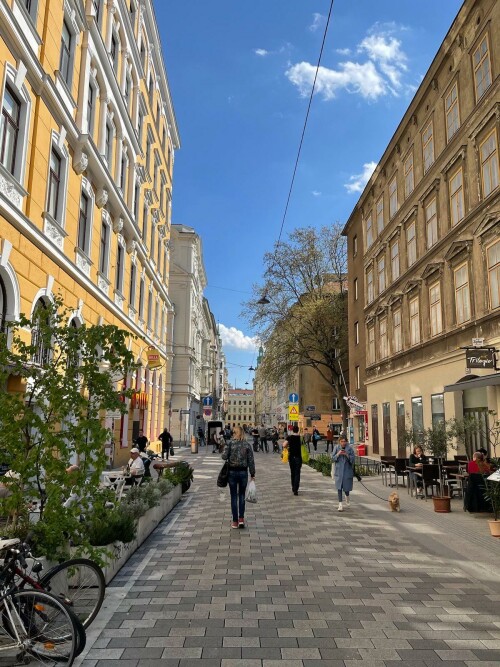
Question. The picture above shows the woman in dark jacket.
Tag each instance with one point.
(417, 460)
(241, 461)
(294, 445)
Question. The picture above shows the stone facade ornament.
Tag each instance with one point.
(117, 225)
(80, 162)
(103, 284)
(8, 189)
(54, 232)
(83, 263)
(101, 198)
(131, 246)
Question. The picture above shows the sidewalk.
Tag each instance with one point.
(304, 584)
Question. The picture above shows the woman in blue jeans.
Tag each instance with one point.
(241, 461)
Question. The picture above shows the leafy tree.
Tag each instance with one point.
(305, 323)
(58, 382)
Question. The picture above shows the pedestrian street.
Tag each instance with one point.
(303, 584)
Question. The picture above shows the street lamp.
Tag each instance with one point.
(263, 301)
(251, 368)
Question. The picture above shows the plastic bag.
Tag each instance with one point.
(284, 458)
(251, 494)
(304, 453)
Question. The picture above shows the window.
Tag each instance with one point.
(414, 322)
(411, 244)
(435, 309)
(397, 335)
(456, 197)
(140, 125)
(452, 112)
(482, 67)
(30, 6)
(395, 259)
(54, 184)
(380, 214)
(153, 239)
(104, 249)
(84, 224)
(91, 95)
(141, 299)
(381, 274)
(41, 355)
(369, 231)
(158, 255)
(149, 141)
(355, 285)
(165, 259)
(96, 4)
(462, 295)
(493, 263)
(131, 291)
(137, 194)
(9, 129)
(431, 223)
(384, 348)
(151, 91)
(113, 51)
(417, 418)
(65, 59)
(145, 222)
(371, 345)
(428, 145)
(489, 163)
(123, 173)
(157, 318)
(369, 286)
(150, 308)
(357, 378)
(393, 197)
(355, 245)
(356, 333)
(437, 410)
(409, 178)
(108, 143)
(120, 257)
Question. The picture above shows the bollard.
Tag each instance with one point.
(194, 444)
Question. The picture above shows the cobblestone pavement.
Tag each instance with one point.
(302, 585)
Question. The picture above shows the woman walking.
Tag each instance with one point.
(343, 458)
(241, 461)
(294, 445)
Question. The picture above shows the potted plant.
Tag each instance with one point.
(437, 439)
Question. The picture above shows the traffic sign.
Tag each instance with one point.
(314, 417)
(185, 412)
(208, 401)
(207, 413)
(293, 398)
(293, 413)
(310, 408)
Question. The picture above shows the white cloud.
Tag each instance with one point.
(316, 193)
(318, 21)
(363, 79)
(378, 70)
(358, 181)
(261, 52)
(233, 337)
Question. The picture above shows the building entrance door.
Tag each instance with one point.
(375, 429)
(386, 424)
(400, 426)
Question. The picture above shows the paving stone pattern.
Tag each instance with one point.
(302, 585)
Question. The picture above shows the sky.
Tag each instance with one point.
(240, 75)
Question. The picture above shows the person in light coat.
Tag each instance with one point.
(343, 459)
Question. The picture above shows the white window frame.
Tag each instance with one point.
(428, 155)
(463, 310)
(120, 271)
(383, 338)
(355, 285)
(414, 320)
(457, 199)
(370, 292)
(431, 222)
(104, 262)
(409, 175)
(62, 152)
(452, 112)
(393, 197)
(357, 377)
(435, 309)
(493, 269)
(369, 231)
(86, 189)
(491, 163)
(379, 213)
(483, 59)
(397, 330)
(411, 244)
(381, 277)
(395, 265)
(370, 353)
(356, 333)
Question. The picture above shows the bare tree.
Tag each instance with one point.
(305, 323)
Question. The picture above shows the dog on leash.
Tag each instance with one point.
(394, 502)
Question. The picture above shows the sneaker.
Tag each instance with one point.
(347, 501)
(295, 493)
(241, 523)
(340, 507)
(234, 524)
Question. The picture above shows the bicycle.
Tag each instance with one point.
(36, 626)
(79, 582)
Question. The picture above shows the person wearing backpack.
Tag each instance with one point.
(316, 437)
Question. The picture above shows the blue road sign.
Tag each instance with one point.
(293, 398)
(208, 401)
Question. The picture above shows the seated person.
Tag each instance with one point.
(135, 466)
(478, 464)
(417, 460)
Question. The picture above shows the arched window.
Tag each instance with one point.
(41, 354)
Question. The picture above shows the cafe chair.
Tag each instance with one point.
(387, 468)
(430, 477)
(400, 471)
(474, 500)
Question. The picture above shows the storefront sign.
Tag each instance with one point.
(139, 400)
(154, 359)
(480, 358)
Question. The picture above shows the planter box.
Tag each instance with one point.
(145, 526)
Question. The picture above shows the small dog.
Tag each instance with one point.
(394, 502)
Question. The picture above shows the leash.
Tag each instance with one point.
(372, 492)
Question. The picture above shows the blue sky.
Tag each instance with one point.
(240, 75)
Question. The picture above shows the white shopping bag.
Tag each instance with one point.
(251, 495)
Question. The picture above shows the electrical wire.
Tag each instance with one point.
(304, 128)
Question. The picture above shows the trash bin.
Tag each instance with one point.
(361, 450)
(194, 444)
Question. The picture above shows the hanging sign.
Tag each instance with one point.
(153, 357)
(480, 358)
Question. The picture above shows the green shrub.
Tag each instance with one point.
(164, 486)
(111, 525)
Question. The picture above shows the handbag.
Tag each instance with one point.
(285, 455)
(171, 451)
(304, 452)
(223, 478)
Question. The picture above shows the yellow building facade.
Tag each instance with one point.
(87, 141)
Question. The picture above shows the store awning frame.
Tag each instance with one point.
(475, 383)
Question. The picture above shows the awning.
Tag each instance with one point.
(475, 383)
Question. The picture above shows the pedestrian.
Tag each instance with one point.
(274, 440)
(166, 442)
(329, 437)
(316, 437)
(294, 445)
(241, 462)
(201, 435)
(263, 438)
(255, 436)
(141, 441)
(307, 439)
(343, 458)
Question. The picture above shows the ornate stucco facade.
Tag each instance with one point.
(87, 138)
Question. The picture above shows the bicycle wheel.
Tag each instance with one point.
(41, 626)
(80, 584)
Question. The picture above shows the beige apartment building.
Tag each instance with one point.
(424, 246)
(240, 407)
